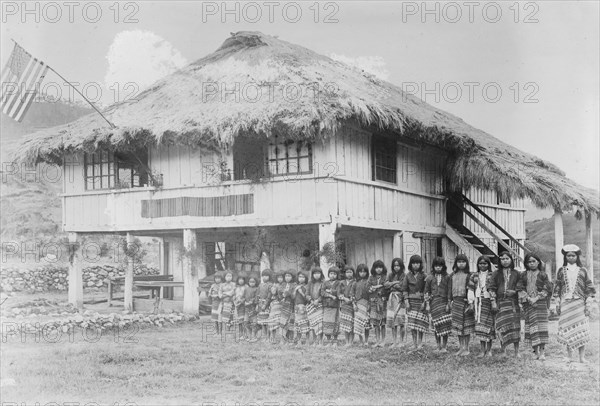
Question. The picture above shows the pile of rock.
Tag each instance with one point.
(56, 278)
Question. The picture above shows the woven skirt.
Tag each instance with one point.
(301, 319)
(263, 315)
(227, 312)
(508, 322)
(346, 317)
(536, 323)
(285, 317)
(440, 319)
(573, 325)
(377, 312)
(274, 315)
(330, 320)
(251, 315)
(484, 328)
(463, 324)
(361, 317)
(315, 317)
(215, 311)
(417, 319)
(239, 314)
(395, 316)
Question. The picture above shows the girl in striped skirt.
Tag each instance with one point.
(314, 308)
(226, 292)
(377, 300)
(437, 298)
(396, 312)
(346, 305)
(503, 295)
(572, 291)
(264, 298)
(463, 307)
(413, 288)
(286, 298)
(533, 289)
(251, 302)
(301, 324)
(215, 301)
(484, 318)
(239, 307)
(360, 298)
(275, 310)
(331, 304)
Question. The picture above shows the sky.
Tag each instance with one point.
(525, 72)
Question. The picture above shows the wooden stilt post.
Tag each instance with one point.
(326, 238)
(75, 273)
(559, 240)
(397, 245)
(191, 297)
(589, 245)
(128, 294)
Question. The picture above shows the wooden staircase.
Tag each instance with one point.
(468, 242)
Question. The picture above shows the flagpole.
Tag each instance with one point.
(77, 90)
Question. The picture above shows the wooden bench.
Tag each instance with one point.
(120, 281)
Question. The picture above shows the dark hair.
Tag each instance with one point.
(268, 273)
(290, 272)
(378, 264)
(578, 262)
(460, 257)
(362, 267)
(241, 276)
(315, 270)
(400, 262)
(537, 258)
(255, 277)
(335, 270)
(349, 268)
(485, 259)
(512, 261)
(413, 260)
(439, 261)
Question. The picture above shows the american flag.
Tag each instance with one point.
(21, 79)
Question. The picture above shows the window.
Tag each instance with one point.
(288, 156)
(384, 159)
(115, 170)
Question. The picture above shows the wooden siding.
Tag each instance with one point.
(510, 217)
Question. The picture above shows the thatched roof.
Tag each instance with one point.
(182, 108)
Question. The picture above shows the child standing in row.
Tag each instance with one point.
(437, 297)
(346, 305)
(286, 298)
(215, 302)
(275, 304)
(413, 288)
(314, 307)
(226, 293)
(463, 308)
(264, 297)
(396, 312)
(377, 300)
(484, 317)
(330, 294)
(301, 324)
(239, 306)
(360, 298)
(251, 303)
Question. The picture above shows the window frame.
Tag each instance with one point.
(113, 162)
(381, 146)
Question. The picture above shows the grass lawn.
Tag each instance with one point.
(181, 365)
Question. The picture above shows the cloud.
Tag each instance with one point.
(139, 57)
(371, 64)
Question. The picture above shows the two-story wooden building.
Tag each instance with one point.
(267, 148)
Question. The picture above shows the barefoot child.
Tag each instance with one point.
(360, 299)
(331, 304)
(264, 297)
(413, 288)
(215, 301)
(572, 291)
(300, 315)
(239, 306)
(463, 309)
(346, 305)
(226, 293)
(503, 294)
(275, 312)
(251, 302)
(396, 311)
(286, 298)
(377, 301)
(314, 308)
(438, 297)
(485, 328)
